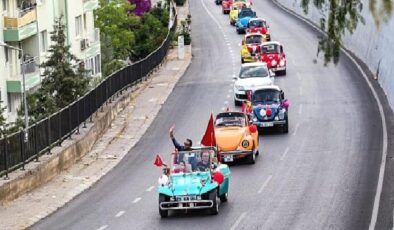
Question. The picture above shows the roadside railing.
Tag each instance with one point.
(52, 131)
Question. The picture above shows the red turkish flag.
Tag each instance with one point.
(158, 161)
(209, 137)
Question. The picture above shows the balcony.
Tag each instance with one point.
(90, 5)
(91, 45)
(20, 26)
(32, 76)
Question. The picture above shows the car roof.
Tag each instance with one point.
(274, 87)
(254, 64)
(257, 19)
(253, 34)
(271, 43)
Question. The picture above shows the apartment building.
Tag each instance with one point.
(27, 24)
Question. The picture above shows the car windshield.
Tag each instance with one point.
(270, 49)
(253, 71)
(230, 119)
(246, 13)
(266, 96)
(254, 39)
(257, 23)
(192, 161)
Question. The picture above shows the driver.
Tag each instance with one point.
(203, 165)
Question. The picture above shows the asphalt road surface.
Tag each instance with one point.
(321, 175)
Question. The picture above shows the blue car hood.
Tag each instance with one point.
(189, 184)
(244, 21)
(257, 111)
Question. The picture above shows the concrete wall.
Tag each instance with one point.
(373, 46)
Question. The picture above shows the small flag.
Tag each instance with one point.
(158, 162)
(209, 136)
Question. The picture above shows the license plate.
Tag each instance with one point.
(228, 158)
(267, 124)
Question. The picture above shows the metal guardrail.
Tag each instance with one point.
(52, 131)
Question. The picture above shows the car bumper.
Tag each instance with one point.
(183, 205)
(267, 124)
(234, 155)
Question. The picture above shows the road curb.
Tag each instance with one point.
(374, 87)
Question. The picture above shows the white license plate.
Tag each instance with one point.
(267, 124)
(228, 158)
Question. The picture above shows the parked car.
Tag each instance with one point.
(235, 137)
(196, 179)
(259, 25)
(270, 108)
(272, 53)
(251, 76)
(243, 19)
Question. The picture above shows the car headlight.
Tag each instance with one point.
(245, 143)
(281, 114)
(273, 63)
(239, 87)
(282, 62)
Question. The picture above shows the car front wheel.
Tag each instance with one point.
(163, 198)
(215, 205)
(223, 197)
(252, 158)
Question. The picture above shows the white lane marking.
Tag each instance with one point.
(238, 221)
(265, 184)
(298, 75)
(301, 91)
(284, 154)
(225, 102)
(296, 129)
(300, 109)
(378, 194)
(150, 188)
(119, 214)
(136, 200)
(228, 96)
(103, 227)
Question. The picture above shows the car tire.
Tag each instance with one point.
(252, 158)
(242, 61)
(223, 197)
(163, 198)
(286, 127)
(213, 197)
(284, 72)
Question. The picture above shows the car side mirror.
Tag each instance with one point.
(272, 74)
(281, 49)
(282, 95)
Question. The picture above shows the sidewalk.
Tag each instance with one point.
(124, 133)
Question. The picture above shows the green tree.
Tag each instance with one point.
(343, 16)
(3, 121)
(115, 23)
(65, 78)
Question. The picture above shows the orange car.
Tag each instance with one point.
(236, 137)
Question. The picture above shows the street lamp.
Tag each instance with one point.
(26, 131)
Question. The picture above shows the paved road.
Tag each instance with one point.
(322, 175)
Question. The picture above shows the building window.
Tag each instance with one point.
(5, 4)
(43, 41)
(93, 65)
(84, 22)
(78, 26)
(9, 104)
(6, 54)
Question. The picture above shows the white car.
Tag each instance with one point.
(251, 76)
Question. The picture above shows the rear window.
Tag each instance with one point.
(253, 71)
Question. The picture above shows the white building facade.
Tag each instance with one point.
(27, 24)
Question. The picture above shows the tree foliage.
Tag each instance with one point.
(343, 16)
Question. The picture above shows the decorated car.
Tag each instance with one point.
(195, 179)
(251, 76)
(236, 138)
(243, 19)
(251, 47)
(272, 53)
(259, 25)
(226, 6)
(270, 108)
(234, 11)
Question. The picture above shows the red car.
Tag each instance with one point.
(272, 54)
(259, 25)
(226, 6)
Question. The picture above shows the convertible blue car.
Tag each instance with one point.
(243, 19)
(195, 180)
(270, 108)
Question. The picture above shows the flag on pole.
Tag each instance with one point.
(209, 137)
(158, 162)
